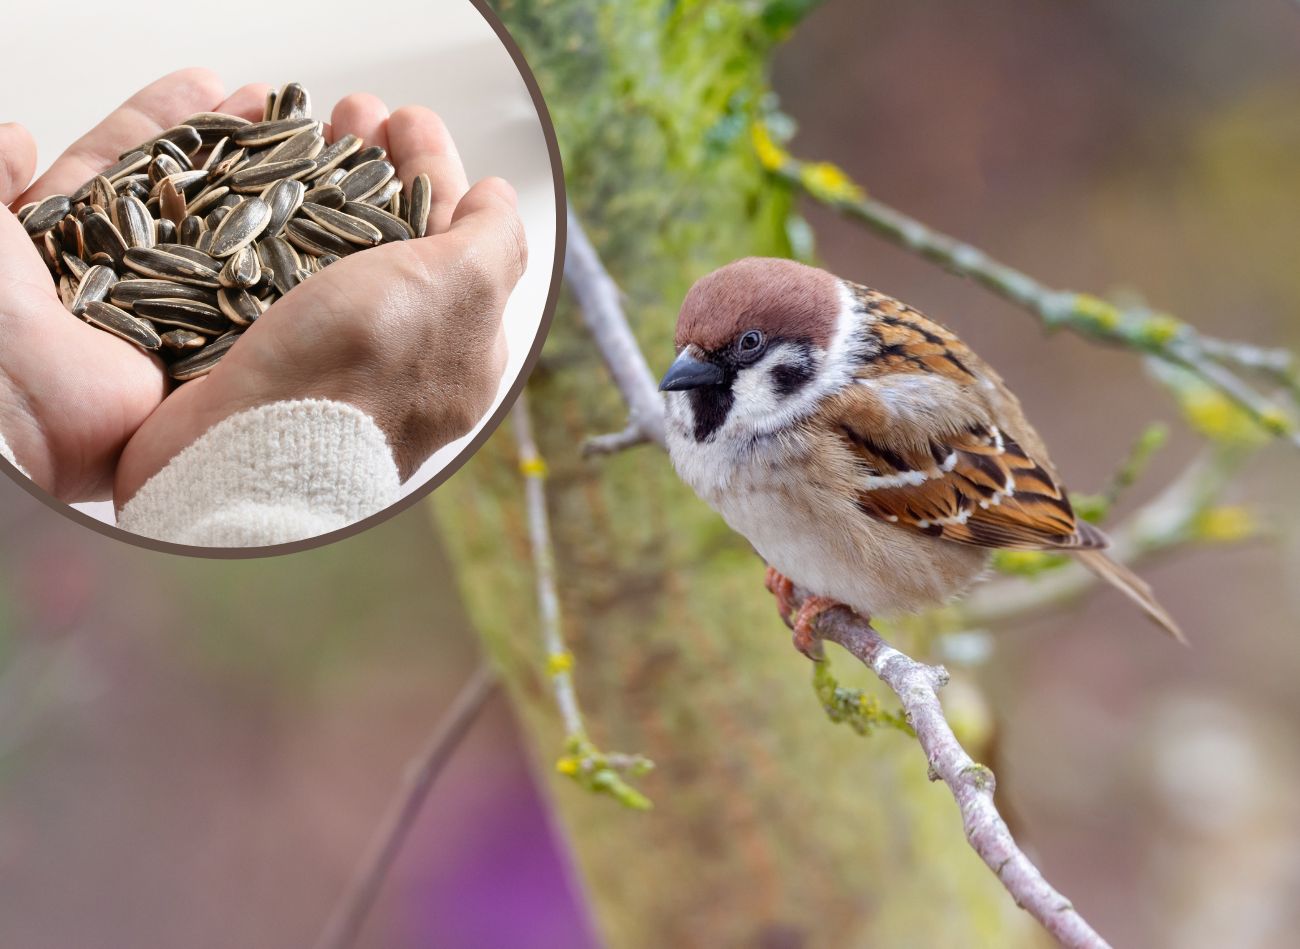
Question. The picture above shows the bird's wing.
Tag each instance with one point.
(934, 445)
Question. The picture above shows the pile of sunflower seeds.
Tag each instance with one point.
(185, 242)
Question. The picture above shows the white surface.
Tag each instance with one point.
(437, 53)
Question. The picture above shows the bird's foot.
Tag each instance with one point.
(781, 587)
(805, 637)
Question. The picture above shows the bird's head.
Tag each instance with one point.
(755, 344)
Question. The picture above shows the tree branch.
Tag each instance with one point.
(915, 683)
(352, 908)
(1156, 334)
(599, 302)
(917, 687)
(582, 760)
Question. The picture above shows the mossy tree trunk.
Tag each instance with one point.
(771, 826)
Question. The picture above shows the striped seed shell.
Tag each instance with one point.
(95, 285)
(187, 314)
(191, 230)
(134, 221)
(368, 154)
(52, 250)
(47, 213)
(127, 293)
(243, 269)
(67, 292)
(75, 266)
(71, 237)
(351, 229)
(102, 237)
(293, 102)
(29, 207)
(393, 228)
(327, 196)
(102, 193)
(334, 155)
(243, 225)
(306, 144)
(183, 340)
(239, 306)
(383, 198)
(205, 241)
(233, 160)
(153, 262)
(259, 134)
(202, 362)
(164, 166)
(187, 182)
(333, 178)
(324, 260)
(169, 149)
(284, 197)
(421, 197)
(208, 198)
(259, 176)
(194, 254)
(214, 126)
(218, 153)
(185, 138)
(129, 164)
(216, 216)
(122, 324)
(268, 112)
(165, 231)
(309, 236)
(281, 259)
(365, 179)
(171, 203)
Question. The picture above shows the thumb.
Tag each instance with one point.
(17, 160)
(488, 217)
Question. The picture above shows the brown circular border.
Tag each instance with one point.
(493, 422)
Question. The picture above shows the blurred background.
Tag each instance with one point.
(194, 753)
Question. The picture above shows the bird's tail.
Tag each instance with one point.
(1133, 587)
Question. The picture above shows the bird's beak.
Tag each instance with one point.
(687, 372)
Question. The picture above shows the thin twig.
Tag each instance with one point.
(1156, 334)
(917, 687)
(582, 761)
(602, 310)
(915, 683)
(351, 910)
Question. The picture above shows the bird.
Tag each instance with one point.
(869, 456)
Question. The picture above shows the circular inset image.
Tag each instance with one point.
(264, 303)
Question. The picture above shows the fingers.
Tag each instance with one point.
(488, 219)
(151, 110)
(17, 160)
(364, 116)
(419, 143)
(248, 102)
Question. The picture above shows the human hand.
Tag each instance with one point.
(71, 396)
(408, 332)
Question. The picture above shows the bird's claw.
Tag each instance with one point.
(781, 587)
(805, 636)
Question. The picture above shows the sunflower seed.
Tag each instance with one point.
(307, 235)
(259, 176)
(153, 262)
(306, 144)
(93, 286)
(71, 237)
(164, 166)
(186, 182)
(52, 251)
(214, 126)
(122, 324)
(351, 229)
(421, 196)
(171, 203)
(259, 134)
(243, 269)
(127, 293)
(205, 241)
(240, 227)
(324, 260)
(130, 163)
(192, 253)
(216, 216)
(368, 154)
(102, 237)
(293, 102)
(383, 198)
(334, 155)
(187, 314)
(239, 306)
(134, 221)
(75, 266)
(46, 214)
(191, 230)
(204, 361)
(165, 232)
(284, 198)
(365, 179)
(218, 153)
(101, 193)
(327, 196)
(333, 178)
(268, 113)
(208, 198)
(183, 340)
(67, 291)
(25, 210)
(281, 259)
(234, 160)
(393, 228)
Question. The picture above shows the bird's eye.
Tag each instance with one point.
(750, 345)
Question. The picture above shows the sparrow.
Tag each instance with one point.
(867, 454)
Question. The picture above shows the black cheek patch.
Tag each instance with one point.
(710, 405)
(789, 379)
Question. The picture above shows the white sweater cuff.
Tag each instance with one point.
(269, 475)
